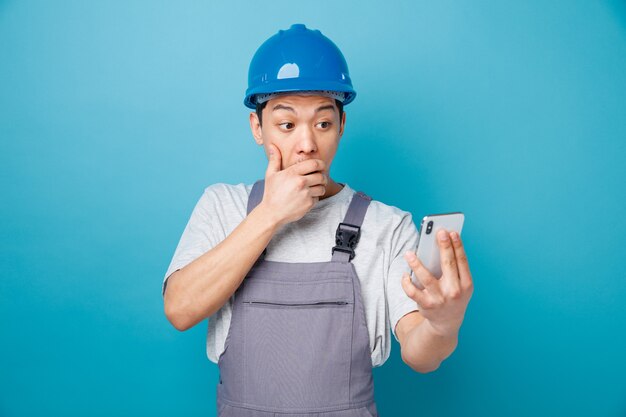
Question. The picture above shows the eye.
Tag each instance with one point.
(326, 124)
(288, 126)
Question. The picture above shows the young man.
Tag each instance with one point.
(301, 277)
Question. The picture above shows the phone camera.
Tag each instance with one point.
(429, 227)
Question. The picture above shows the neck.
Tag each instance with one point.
(331, 189)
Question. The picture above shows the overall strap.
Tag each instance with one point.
(255, 197)
(349, 231)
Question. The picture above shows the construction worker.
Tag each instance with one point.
(303, 278)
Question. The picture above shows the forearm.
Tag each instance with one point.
(198, 290)
(424, 349)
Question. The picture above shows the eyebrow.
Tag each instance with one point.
(319, 109)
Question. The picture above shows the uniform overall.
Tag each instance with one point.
(298, 343)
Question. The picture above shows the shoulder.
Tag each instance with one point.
(222, 192)
(222, 188)
(389, 215)
(391, 225)
(224, 198)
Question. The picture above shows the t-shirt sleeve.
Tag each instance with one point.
(404, 238)
(197, 237)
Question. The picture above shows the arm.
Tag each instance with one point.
(422, 348)
(202, 287)
(198, 290)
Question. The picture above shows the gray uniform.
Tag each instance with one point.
(298, 342)
(387, 233)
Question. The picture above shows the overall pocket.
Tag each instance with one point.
(270, 304)
(297, 351)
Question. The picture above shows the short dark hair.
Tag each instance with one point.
(260, 107)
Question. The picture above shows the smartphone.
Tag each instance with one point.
(427, 247)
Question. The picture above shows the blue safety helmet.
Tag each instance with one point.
(298, 59)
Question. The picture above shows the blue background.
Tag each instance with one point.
(114, 116)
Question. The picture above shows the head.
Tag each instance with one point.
(300, 126)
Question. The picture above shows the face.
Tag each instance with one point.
(302, 127)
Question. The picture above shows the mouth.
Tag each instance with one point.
(300, 160)
(305, 159)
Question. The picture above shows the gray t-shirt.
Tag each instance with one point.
(386, 234)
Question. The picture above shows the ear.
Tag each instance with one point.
(342, 124)
(255, 127)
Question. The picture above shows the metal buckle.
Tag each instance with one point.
(346, 238)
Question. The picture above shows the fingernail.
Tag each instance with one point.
(443, 235)
(455, 236)
(409, 255)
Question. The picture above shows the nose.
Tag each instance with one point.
(306, 141)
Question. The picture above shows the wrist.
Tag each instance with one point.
(439, 332)
(267, 216)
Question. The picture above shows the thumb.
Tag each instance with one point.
(274, 160)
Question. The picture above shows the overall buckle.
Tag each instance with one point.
(346, 238)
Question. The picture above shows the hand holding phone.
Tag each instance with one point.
(427, 247)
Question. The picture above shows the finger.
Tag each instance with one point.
(308, 166)
(422, 274)
(411, 290)
(275, 160)
(315, 178)
(461, 260)
(450, 273)
(317, 191)
(416, 281)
